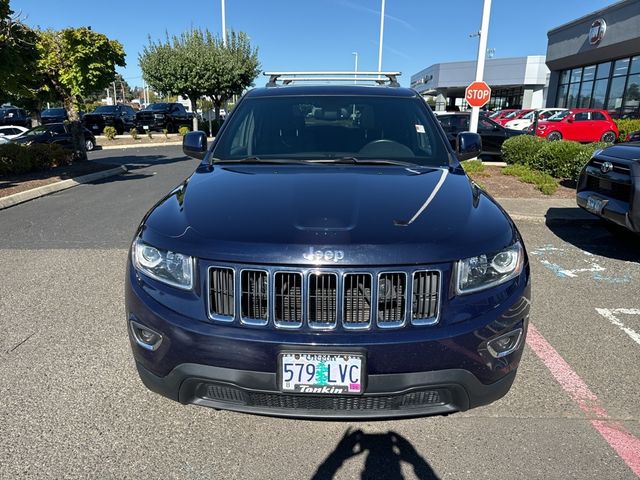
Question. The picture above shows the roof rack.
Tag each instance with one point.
(381, 78)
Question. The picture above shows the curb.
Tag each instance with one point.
(21, 197)
(128, 146)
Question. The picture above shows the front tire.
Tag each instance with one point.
(89, 145)
(554, 136)
(608, 137)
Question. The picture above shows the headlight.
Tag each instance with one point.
(171, 268)
(485, 271)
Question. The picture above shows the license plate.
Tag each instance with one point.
(146, 127)
(321, 373)
(95, 127)
(595, 205)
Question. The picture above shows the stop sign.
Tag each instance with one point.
(477, 94)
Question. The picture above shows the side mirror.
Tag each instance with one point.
(570, 119)
(194, 144)
(469, 145)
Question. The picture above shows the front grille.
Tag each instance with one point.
(323, 302)
(318, 299)
(619, 191)
(278, 401)
(617, 167)
(254, 299)
(391, 299)
(221, 293)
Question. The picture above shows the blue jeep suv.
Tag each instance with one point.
(329, 258)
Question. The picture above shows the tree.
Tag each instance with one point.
(197, 63)
(74, 63)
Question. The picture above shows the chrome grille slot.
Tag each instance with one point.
(426, 286)
(392, 298)
(288, 299)
(322, 304)
(221, 294)
(254, 298)
(357, 300)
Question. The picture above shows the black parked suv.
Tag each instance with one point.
(609, 185)
(329, 258)
(122, 117)
(493, 134)
(53, 115)
(10, 115)
(160, 116)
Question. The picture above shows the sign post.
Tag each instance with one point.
(482, 50)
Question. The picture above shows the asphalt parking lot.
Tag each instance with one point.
(71, 404)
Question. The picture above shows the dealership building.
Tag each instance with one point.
(595, 61)
(591, 62)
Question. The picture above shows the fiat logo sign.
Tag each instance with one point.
(597, 31)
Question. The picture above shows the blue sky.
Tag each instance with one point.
(322, 34)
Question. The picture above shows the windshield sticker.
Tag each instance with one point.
(420, 128)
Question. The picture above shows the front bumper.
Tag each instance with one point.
(412, 371)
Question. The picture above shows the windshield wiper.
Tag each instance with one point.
(260, 161)
(365, 161)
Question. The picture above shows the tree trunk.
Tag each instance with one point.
(195, 112)
(217, 105)
(77, 132)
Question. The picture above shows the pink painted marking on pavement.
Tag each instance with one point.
(624, 443)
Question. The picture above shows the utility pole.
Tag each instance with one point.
(482, 51)
(224, 25)
(381, 37)
(115, 94)
(355, 75)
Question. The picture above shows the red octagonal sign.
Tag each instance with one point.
(477, 94)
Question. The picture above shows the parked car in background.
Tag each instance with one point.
(581, 125)
(500, 114)
(57, 133)
(523, 122)
(634, 136)
(121, 117)
(9, 132)
(493, 134)
(160, 116)
(53, 115)
(609, 185)
(515, 115)
(10, 115)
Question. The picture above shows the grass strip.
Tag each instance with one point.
(542, 181)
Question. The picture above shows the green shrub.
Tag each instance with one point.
(559, 159)
(473, 166)
(134, 133)
(110, 132)
(18, 159)
(521, 148)
(166, 133)
(543, 181)
(182, 131)
(626, 127)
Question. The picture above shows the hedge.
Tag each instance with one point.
(521, 148)
(626, 127)
(18, 159)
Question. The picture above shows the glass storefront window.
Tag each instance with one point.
(585, 94)
(564, 76)
(572, 99)
(576, 74)
(599, 92)
(561, 101)
(589, 73)
(616, 92)
(635, 65)
(621, 67)
(632, 93)
(603, 70)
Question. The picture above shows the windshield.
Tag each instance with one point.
(529, 115)
(158, 106)
(53, 112)
(512, 115)
(36, 131)
(558, 116)
(108, 109)
(326, 128)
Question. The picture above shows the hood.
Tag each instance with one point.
(383, 215)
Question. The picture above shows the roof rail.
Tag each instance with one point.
(381, 78)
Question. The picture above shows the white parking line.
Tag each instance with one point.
(612, 314)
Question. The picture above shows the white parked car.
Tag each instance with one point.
(525, 121)
(9, 132)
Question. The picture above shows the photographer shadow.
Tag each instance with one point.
(385, 454)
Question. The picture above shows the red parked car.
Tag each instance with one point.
(514, 115)
(500, 114)
(581, 125)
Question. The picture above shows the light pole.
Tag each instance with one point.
(482, 51)
(355, 76)
(381, 37)
(224, 25)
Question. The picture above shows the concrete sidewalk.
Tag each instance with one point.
(545, 210)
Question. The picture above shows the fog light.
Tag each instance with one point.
(145, 337)
(505, 344)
